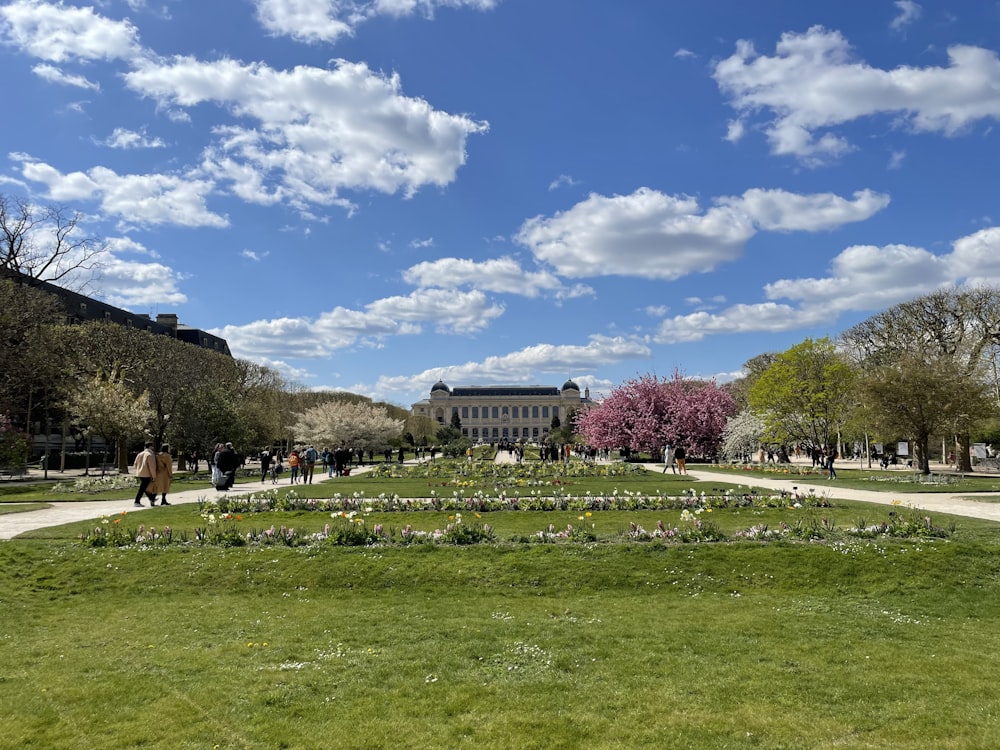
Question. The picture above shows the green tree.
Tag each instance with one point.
(943, 401)
(805, 394)
(953, 331)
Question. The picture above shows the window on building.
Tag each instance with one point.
(475, 432)
(555, 411)
(505, 411)
(534, 432)
(545, 412)
(506, 433)
(513, 412)
(465, 412)
(496, 432)
(83, 307)
(534, 412)
(475, 412)
(496, 415)
(107, 315)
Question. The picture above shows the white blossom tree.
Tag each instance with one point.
(105, 406)
(742, 435)
(360, 426)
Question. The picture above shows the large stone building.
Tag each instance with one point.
(494, 413)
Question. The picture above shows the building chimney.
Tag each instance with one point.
(167, 319)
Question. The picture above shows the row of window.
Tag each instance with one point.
(496, 433)
(514, 412)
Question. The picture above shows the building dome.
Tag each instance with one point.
(569, 385)
(440, 387)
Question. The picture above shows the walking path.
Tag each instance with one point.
(972, 505)
(58, 513)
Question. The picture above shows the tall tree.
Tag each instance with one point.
(805, 394)
(918, 396)
(954, 330)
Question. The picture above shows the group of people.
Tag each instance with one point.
(675, 459)
(155, 472)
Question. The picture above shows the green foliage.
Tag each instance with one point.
(804, 394)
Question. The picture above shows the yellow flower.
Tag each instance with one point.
(588, 514)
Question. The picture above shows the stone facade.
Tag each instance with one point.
(503, 412)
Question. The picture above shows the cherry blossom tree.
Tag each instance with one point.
(645, 413)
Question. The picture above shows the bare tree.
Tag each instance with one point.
(45, 243)
(953, 331)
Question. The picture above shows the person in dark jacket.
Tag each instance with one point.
(228, 462)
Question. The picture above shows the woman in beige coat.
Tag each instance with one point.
(164, 474)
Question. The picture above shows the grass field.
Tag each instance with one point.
(836, 643)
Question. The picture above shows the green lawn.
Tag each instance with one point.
(838, 641)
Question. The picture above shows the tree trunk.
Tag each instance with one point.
(963, 461)
(122, 456)
(921, 450)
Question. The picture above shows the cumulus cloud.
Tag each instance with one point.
(781, 211)
(654, 235)
(860, 278)
(562, 180)
(524, 365)
(329, 20)
(138, 199)
(312, 133)
(813, 83)
(450, 312)
(59, 33)
(502, 275)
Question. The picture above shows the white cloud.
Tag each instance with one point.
(646, 234)
(865, 277)
(766, 316)
(420, 244)
(138, 199)
(339, 328)
(503, 275)
(896, 159)
(861, 278)
(52, 74)
(734, 131)
(312, 133)
(329, 20)
(124, 138)
(781, 211)
(909, 12)
(653, 235)
(253, 255)
(561, 180)
(524, 365)
(813, 84)
(58, 33)
(682, 53)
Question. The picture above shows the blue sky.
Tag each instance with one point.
(371, 195)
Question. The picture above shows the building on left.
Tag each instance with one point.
(79, 309)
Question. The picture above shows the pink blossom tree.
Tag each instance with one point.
(645, 413)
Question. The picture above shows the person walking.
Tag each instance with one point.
(164, 475)
(227, 462)
(309, 459)
(145, 469)
(265, 463)
(293, 466)
(680, 456)
(831, 456)
(668, 458)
